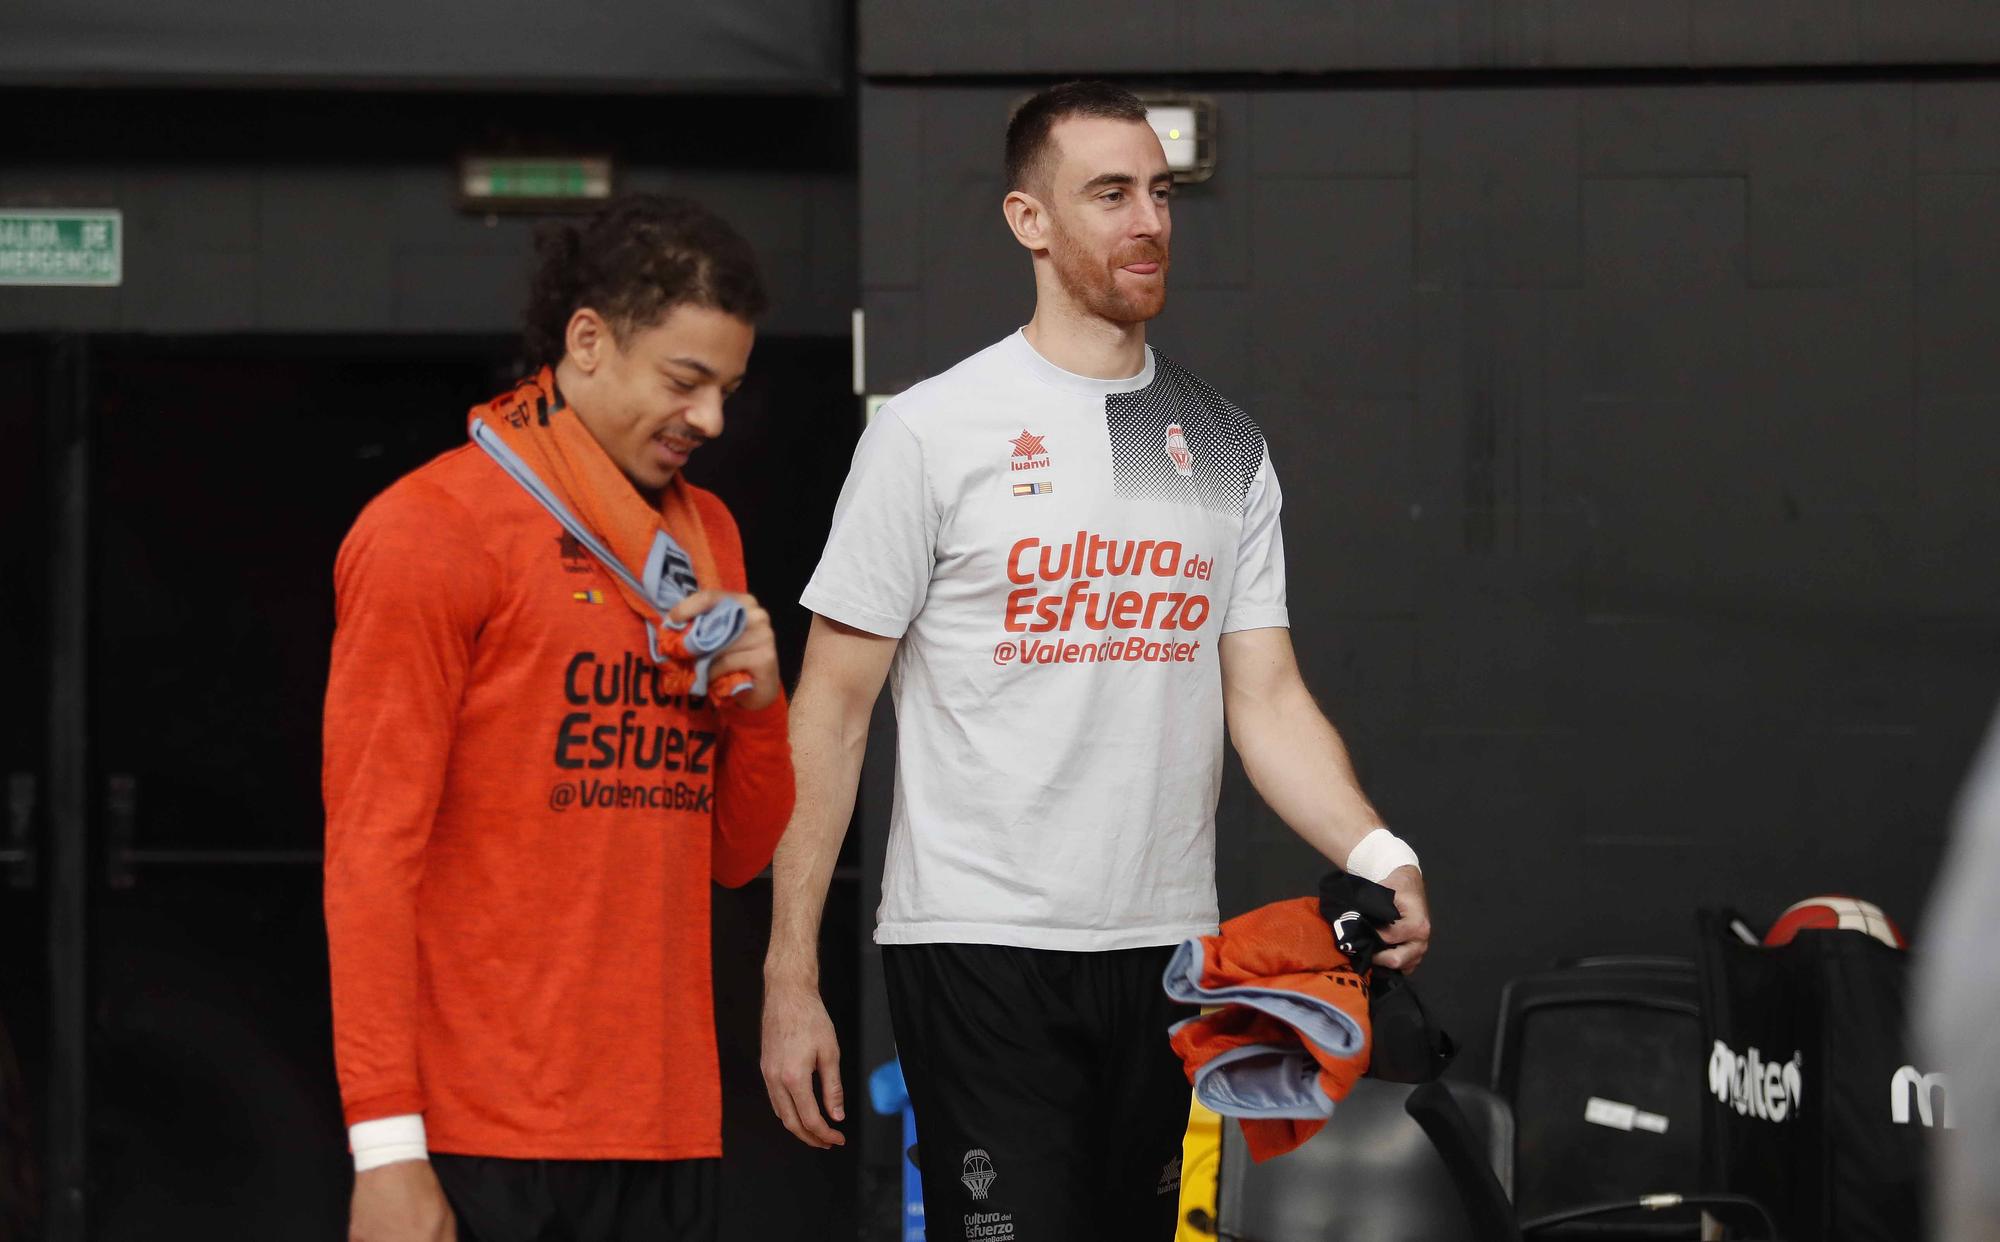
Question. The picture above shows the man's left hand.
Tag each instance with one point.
(755, 650)
(1409, 937)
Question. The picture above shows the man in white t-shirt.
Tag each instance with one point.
(1064, 553)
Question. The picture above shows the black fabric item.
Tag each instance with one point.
(1817, 1106)
(500, 1200)
(1406, 1045)
(1049, 1106)
(1356, 909)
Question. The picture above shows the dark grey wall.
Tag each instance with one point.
(328, 211)
(638, 45)
(906, 37)
(1639, 445)
(306, 247)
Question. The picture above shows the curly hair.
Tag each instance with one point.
(633, 261)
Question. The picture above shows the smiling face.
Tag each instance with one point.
(1107, 193)
(654, 398)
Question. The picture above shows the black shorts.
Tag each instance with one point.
(1049, 1106)
(500, 1200)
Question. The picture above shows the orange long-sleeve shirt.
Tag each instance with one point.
(521, 832)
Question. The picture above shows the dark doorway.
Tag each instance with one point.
(223, 474)
(24, 696)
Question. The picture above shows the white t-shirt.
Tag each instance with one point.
(1059, 556)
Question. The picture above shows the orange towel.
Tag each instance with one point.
(1292, 1036)
(535, 422)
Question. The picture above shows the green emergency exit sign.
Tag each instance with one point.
(506, 183)
(59, 247)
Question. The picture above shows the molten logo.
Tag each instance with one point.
(1753, 1087)
(1177, 451)
(979, 1174)
(1932, 1093)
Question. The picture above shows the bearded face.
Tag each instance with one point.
(1092, 262)
(1096, 211)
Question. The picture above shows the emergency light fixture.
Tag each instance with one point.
(1186, 126)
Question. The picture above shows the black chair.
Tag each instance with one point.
(1370, 1175)
(1602, 1062)
(1485, 1204)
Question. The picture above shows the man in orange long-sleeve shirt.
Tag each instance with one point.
(524, 809)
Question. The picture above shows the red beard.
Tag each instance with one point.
(1093, 283)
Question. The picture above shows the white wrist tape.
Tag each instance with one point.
(1379, 853)
(387, 1140)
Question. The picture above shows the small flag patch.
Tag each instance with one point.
(1033, 489)
(587, 597)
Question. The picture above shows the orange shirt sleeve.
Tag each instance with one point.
(754, 792)
(413, 584)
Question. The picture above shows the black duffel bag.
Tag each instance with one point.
(1815, 1104)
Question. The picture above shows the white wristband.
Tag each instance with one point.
(1379, 853)
(387, 1140)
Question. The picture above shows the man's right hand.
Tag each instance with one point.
(799, 1041)
(400, 1202)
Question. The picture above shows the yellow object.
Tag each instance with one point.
(1201, 1162)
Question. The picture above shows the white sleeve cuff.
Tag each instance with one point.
(1379, 853)
(387, 1140)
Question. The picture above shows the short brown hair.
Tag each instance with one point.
(633, 261)
(1028, 131)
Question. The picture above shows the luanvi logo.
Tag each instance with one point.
(576, 558)
(1932, 1093)
(1029, 452)
(1755, 1087)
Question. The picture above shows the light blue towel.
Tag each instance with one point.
(1263, 1080)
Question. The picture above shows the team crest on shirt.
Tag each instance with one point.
(1029, 452)
(1177, 451)
(979, 1173)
